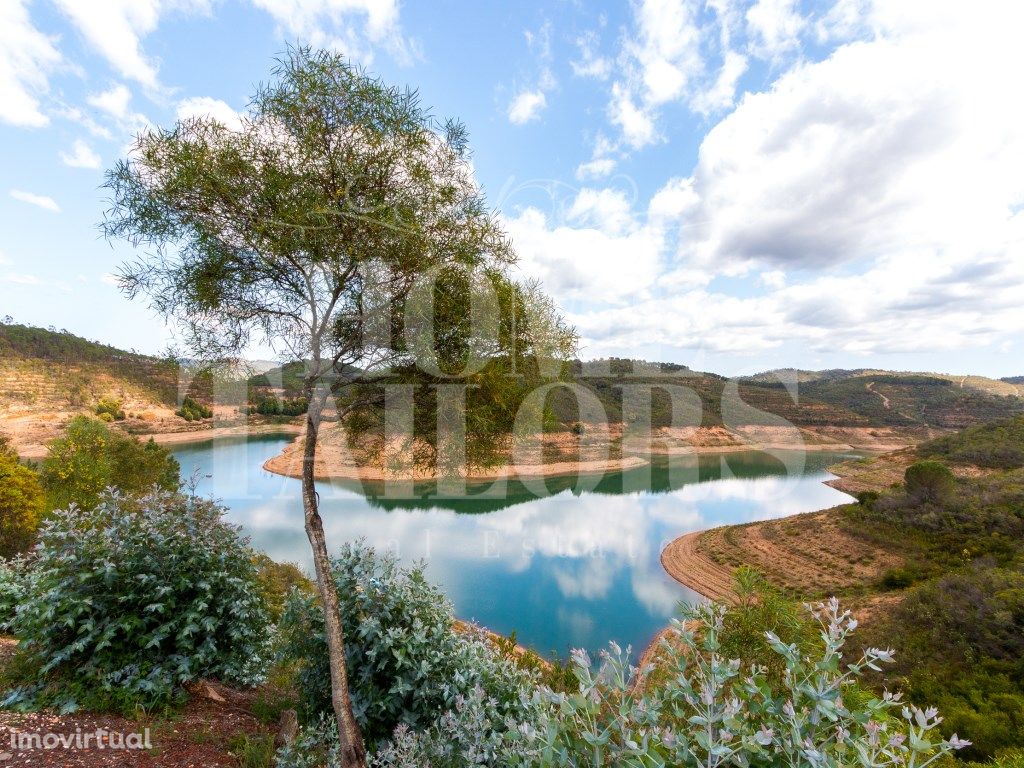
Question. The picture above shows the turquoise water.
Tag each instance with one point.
(576, 567)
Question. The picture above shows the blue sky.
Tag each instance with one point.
(735, 185)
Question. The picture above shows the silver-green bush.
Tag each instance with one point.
(711, 711)
(134, 598)
(13, 588)
(409, 667)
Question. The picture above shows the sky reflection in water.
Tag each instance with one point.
(572, 569)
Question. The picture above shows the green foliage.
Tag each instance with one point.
(290, 377)
(897, 578)
(929, 481)
(91, 457)
(868, 498)
(909, 400)
(962, 648)
(762, 609)
(271, 406)
(111, 409)
(135, 597)
(995, 446)
(406, 661)
(22, 503)
(714, 711)
(277, 580)
(253, 750)
(552, 672)
(14, 587)
(192, 410)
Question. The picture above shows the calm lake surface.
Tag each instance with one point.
(575, 567)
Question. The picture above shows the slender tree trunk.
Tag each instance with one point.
(353, 752)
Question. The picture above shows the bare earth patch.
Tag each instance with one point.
(200, 736)
(810, 555)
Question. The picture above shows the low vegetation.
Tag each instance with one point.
(123, 606)
(92, 457)
(193, 410)
(22, 503)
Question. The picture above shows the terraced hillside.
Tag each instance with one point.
(48, 376)
(884, 398)
(843, 399)
(48, 369)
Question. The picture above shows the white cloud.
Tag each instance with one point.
(869, 204)
(4, 259)
(114, 101)
(666, 57)
(526, 106)
(354, 27)
(906, 144)
(26, 57)
(81, 156)
(590, 63)
(722, 93)
(115, 28)
(604, 209)
(774, 27)
(530, 101)
(38, 200)
(204, 106)
(637, 124)
(595, 169)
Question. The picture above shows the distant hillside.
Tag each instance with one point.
(607, 379)
(1014, 380)
(999, 445)
(907, 399)
(45, 368)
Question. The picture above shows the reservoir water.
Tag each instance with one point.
(571, 563)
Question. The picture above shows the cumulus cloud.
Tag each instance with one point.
(526, 106)
(595, 169)
(869, 203)
(81, 156)
(26, 58)
(774, 27)
(115, 28)
(905, 144)
(530, 101)
(113, 101)
(40, 201)
(590, 63)
(677, 51)
(204, 106)
(354, 27)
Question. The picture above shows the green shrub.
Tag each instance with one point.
(930, 481)
(110, 410)
(714, 711)
(406, 662)
(271, 406)
(22, 503)
(193, 410)
(897, 578)
(999, 445)
(91, 457)
(867, 499)
(14, 587)
(277, 580)
(134, 598)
